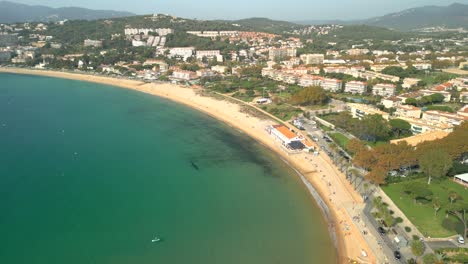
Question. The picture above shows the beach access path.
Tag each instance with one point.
(326, 179)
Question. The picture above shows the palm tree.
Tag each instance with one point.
(440, 258)
(453, 196)
(436, 205)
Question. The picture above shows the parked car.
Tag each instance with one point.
(397, 254)
(461, 239)
(381, 230)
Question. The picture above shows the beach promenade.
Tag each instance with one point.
(327, 180)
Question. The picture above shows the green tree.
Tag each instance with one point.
(395, 71)
(310, 96)
(417, 248)
(355, 146)
(365, 159)
(374, 128)
(436, 205)
(437, 98)
(460, 210)
(439, 258)
(453, 196)
(412, 101)
(417, 190)
(400, 126)
(435, 163)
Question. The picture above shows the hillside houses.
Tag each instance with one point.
(384, 90)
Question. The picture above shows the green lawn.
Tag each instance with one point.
(422, 215)
(283, 111)
(324, 128)
(340, 139)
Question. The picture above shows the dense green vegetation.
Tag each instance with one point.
(283, 111)
(400, 72)
(425, 100)
(444, 108)
(76, 31)
(360, 32)
(314, 95)
(451, 255)
(266, 25)
(371, 128)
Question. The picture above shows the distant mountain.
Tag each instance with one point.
(11, 12)
(324, 22)
(452, 16)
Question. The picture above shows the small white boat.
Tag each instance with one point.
(156, 239)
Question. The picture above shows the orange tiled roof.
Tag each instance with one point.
(285, 131)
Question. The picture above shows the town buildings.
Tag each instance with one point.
(146, 31)
(384, 90)
(184, 75)
(408, 111)
(93, 43)
(312, 58)
(332, 85)
(209, 54)
(361, 110)
(410, 82)
(355, 87)
(446, 118)
(391, 102)
(181, 52)
(219, 69)
(281, 53)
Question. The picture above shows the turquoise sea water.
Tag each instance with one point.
(91, 173)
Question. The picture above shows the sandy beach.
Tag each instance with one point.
(319, 171)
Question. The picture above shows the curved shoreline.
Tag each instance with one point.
(231, 114)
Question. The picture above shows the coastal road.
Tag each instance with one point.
(442, 244)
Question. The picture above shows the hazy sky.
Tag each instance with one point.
(292, 10)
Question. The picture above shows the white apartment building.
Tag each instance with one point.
(410, 82)
(205, 73)
(341, 69)
(281, 53)
(464, 97)
(93, 43)
(419, 126)
(209, 54)
(184, 75)
(219, 69)
(355, 87)
(391, 102)
(145, 31)
(310, 80)
(356, 52)
(422, 66)
(408, 111)
(312, 58)
(184, 52)
(384, 89)
(138, 43)
(332, 85)
(440, 117)
(361, 110)
(369, 75)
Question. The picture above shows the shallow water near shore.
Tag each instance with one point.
(91, 174)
